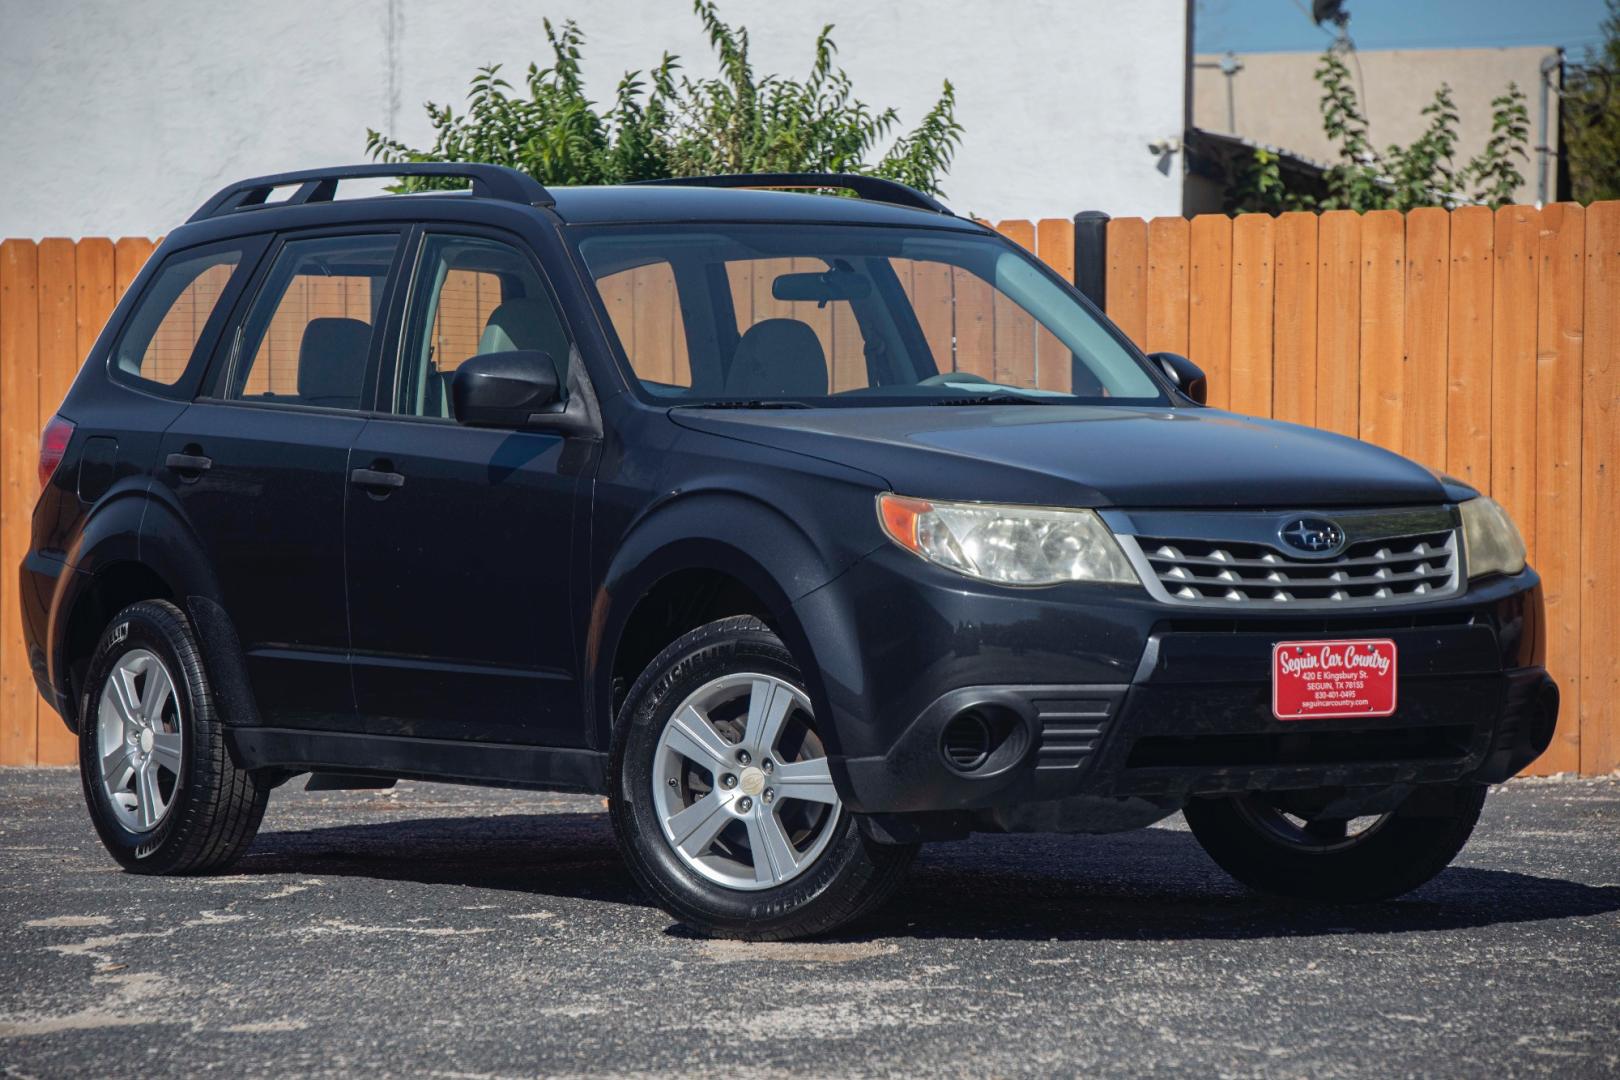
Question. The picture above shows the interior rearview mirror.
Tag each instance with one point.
(822, 288)
(504, 389)
(1187, 376)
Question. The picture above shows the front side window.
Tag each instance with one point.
(307, 338)
(472, 296)
(158, 345)
(850, 315)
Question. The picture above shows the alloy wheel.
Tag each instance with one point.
(741, 783)
(138, 725)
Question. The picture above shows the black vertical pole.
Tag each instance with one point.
(1091, 255)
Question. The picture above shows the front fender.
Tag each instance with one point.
(727, 532)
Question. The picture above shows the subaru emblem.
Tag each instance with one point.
(1314, 536)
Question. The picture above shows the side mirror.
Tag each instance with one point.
(504, 389)
(1187, 376)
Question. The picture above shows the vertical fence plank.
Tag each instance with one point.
(1423, 396)
(1383, 327)
(19, 461)
(1600, 494)
(931, 285)
(58, 361)
(1015, 327)
(1293, 392)
(58, 323)
(1471, 297)
(129, 255)
(1209, 307)
(1126, 290)
(1559, 318)
(1054, 243)
(975, 324)
(1253, 285)
(1168, 242)
(1338, 322)
(1513, 368)
(96, 288)
(619, 298)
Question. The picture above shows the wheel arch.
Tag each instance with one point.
(134, 549)
(696, 559)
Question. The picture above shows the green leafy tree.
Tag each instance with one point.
(662, 123)
(1261, 189)
(1495, 172)
(1591, 117)
(1354, 182)
(1423, 173)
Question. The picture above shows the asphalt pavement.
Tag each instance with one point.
(459, 932)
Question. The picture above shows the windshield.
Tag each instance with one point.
(823, 315)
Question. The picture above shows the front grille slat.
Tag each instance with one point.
(1410, 565)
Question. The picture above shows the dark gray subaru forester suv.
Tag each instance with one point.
(805, 529)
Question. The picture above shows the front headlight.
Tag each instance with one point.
(1491, 542)
(1011, 545)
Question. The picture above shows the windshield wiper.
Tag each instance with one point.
(995, 399)
(742, 403)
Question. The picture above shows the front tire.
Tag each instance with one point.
(723, 803)
(163, 792)
(1269, 847)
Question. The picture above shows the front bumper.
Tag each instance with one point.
(1107, 693)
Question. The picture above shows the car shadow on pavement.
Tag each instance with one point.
(1143, 885)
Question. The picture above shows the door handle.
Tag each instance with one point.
(374, 478)
(189, 463)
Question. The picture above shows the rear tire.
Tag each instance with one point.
(163, 792)
(768, 852)
(1299, 858)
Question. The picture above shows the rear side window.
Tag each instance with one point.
(308, 335)
(161, 340)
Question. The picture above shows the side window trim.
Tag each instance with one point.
(252, 248)
(227, 348)
(395, 359)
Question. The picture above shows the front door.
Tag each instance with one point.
(259, 468)
(460, 540)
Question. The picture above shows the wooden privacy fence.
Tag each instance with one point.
(1485, 344)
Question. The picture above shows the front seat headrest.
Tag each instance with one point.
(522, 324)
(778, 358)
(332, 362)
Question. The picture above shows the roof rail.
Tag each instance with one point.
(320, 185)
(875, 188)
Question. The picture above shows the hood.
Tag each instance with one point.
(1090, 455)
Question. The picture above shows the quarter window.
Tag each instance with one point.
(472, 296)
(308, 336)
(163, 333)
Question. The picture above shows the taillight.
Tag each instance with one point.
(53, 443)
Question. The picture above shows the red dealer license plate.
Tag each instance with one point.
(1313, 680)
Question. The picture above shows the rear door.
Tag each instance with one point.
(259, 465)
(460, 540)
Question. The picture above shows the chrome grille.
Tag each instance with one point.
(1372, 570)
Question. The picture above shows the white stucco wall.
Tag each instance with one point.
(118, 118)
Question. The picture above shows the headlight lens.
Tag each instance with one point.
(1491, 541)
(1012, 545)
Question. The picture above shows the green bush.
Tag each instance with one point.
(663, 123)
